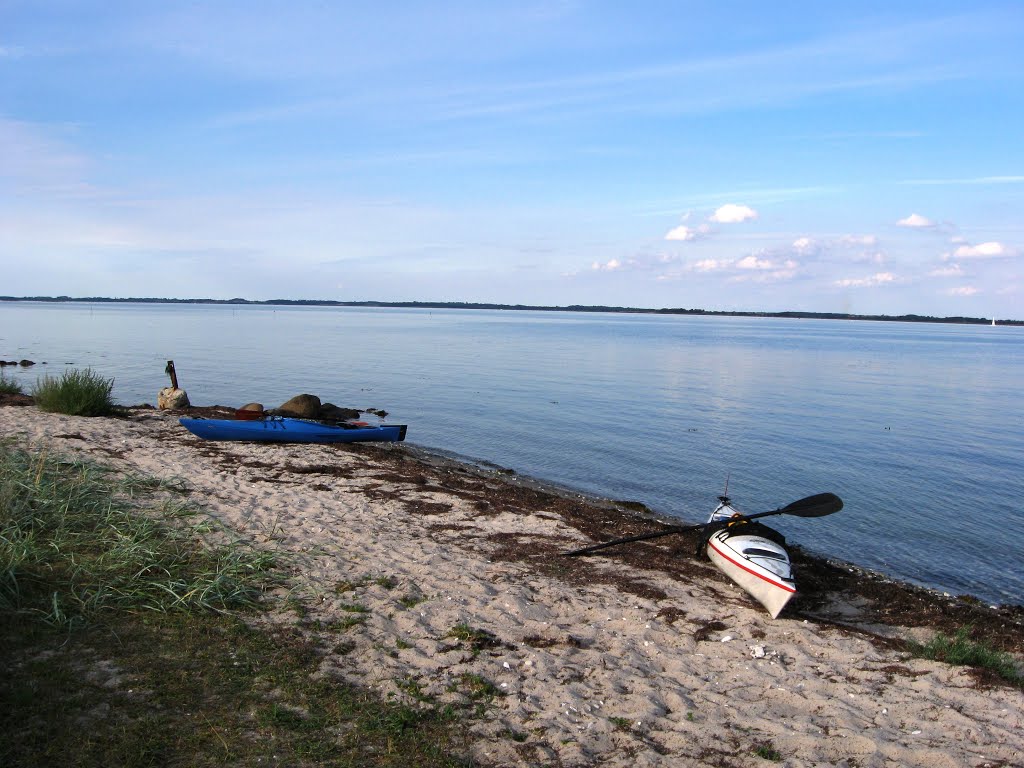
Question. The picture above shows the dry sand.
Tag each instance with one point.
(650, 658)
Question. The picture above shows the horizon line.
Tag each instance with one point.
(595, 308)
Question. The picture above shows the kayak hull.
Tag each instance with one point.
(284, 430)
(753, 556)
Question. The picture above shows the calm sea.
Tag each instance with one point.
(918, 427)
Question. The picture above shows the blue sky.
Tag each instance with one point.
(655, 154)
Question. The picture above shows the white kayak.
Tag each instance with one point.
(751, 554)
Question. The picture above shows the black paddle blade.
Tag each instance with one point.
(818, 505)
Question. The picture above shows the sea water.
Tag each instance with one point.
(918, 427)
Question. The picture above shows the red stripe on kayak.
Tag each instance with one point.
(761, 576)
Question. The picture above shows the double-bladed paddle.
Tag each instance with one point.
(819, 505)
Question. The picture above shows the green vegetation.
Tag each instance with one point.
(411, 600)
(767, 751)
(621, 723)
(127, 638)
(72, 545)
(78, 392)
(387, 582)
(961, 650)
(476, 639)
(479, 687)
(9, 386)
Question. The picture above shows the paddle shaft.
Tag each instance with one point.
(813, 506)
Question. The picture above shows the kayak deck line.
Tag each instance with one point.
(773, 582)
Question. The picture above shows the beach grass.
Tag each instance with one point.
(9, 386)
(78, 392)
(73, 544)
(131, 634)
(962, 650)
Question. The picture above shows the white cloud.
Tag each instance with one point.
(872, 257)
(753, 262)
(879, 278)
(730, 213)
(866, 240)
(682, 233)
(954, 270)
(786, 272)
(916, 221)
(609, 266)
(710, 265)
(964, 290)
(803, 244)
(990, 250)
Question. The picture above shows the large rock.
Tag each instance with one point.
(171, 399)
(300, 407)
(332, 412)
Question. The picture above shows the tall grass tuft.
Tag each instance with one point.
(9, 386)
(78, 392)
(77, 540)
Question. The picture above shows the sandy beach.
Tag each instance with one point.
(645, 657)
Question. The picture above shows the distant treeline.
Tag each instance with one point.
(532, 307)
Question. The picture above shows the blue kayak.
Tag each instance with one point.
(277, 429)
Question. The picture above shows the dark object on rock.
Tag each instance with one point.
(300, 407)
(332, 412)
(250, 412)
(26, 363)
(377, 412)
(172, 398)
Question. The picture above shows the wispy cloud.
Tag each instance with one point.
(871, 281)
(977, 180)
(886, 57)
(953, 270)
(332, 56)
(612, 265)
(37, 157)
(763, 268)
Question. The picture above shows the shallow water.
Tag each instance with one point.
(918, 427)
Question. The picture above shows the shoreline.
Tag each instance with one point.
(461, 305)
(647, 635)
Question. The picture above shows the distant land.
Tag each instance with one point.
(514, 307)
